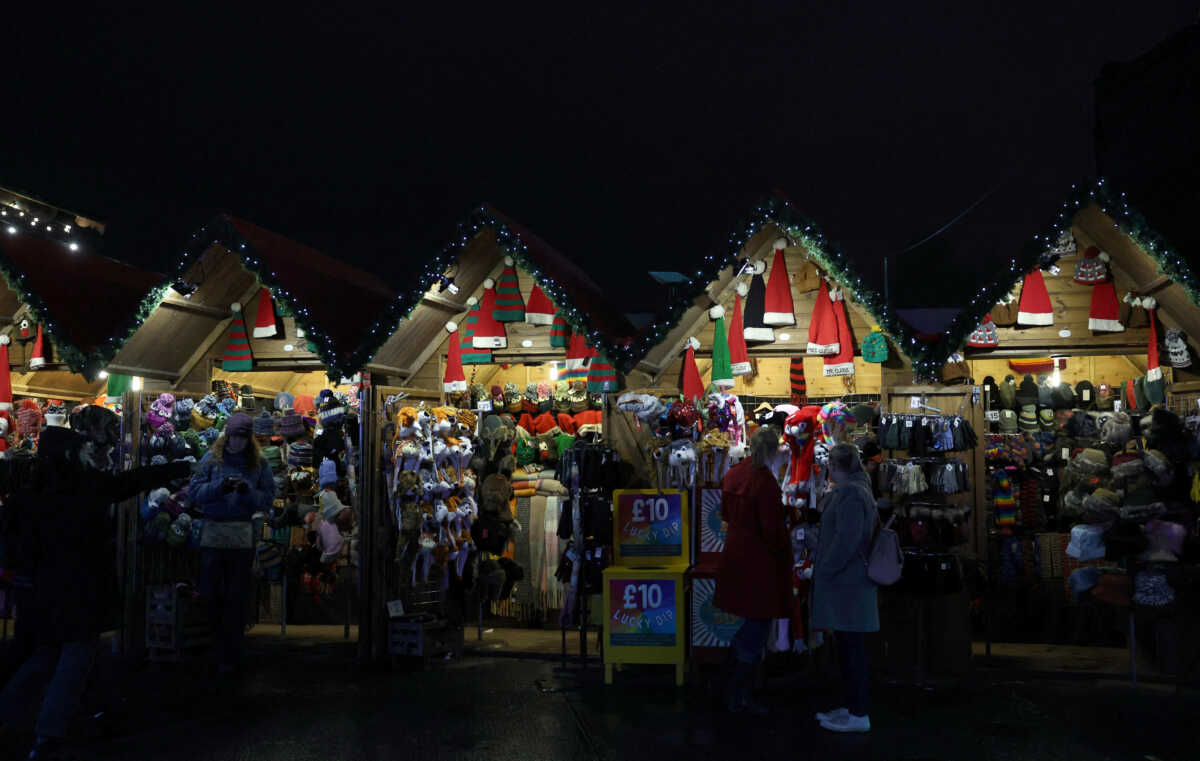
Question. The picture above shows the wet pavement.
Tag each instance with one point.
(309, 701)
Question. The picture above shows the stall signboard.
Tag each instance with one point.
(644, 617)
(712, 527)
(650, 528)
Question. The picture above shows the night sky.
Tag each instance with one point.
(624, 137)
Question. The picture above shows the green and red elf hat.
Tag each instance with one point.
(509, 306)
(237, 357)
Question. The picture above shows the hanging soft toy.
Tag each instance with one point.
(26, 329)
(799, 434)
(645, 408)
(161, 411)
(834, 419)
(681, 463)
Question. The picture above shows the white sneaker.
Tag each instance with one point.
(833, 715)
(847, 723)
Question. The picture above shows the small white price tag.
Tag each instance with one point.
(992, 416)
(1045, 497)
(484, 405)
(1116, 405)
(1066, 453)
(1086, 395)
(395, 608)
(914, 403)
(908, 423)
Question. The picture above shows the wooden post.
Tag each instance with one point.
(132, 638)
(372, 627)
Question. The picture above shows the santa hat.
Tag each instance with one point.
(1153, 370)
(693, 387)
(489, 332)
(1105, 312)
(509, 306)
(739, 360)
(539, 310)
(5, 375)
(823, 330)
(116, 388)
(798, 383)
(722, 369)
(264, 321)
(454, 379)
(986, 336)
(1035, 307)
(1092, 267)
(841, 363)
(38, 359)
(778, 309)
(468, 353)
(237, 357)
(560, 332)
(755, 330)
(601, 376)
(578, 356)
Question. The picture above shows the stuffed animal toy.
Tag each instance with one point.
(800, 433)
(682, 460)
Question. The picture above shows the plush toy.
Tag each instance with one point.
(681, 463)
(800, 433)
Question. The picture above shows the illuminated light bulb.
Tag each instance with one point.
(527, 343)
(136, 383)
(785, 336)
(66, 228)
(74, 246)
(12, 230)
(102, 374)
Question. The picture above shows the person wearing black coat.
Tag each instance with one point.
(59, 541)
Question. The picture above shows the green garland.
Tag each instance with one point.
(86, 363)
(221, 231)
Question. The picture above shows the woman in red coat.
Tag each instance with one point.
(754, 580)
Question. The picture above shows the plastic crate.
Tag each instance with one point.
(174, 622)
(421, 636)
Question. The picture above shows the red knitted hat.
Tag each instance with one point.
(38, 359)
(539, 310)
(560, 332)
(1105, 312)
(778, 309)
(467, 351)
(509, 306)
(489, 332)
(739, 360)
(986, 336)
(264, 320)
(578, 356)
(1035, 306)
(841, 363)
(823, 331)
(693, 387)
(454, 380)
(5, 375)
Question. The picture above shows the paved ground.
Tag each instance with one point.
(305, 700)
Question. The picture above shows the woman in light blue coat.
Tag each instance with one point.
(843, 597)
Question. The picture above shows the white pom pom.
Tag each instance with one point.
(743, 288)
(508, 261)
(1104, 257)
(5, 340)
(235, 307)
(472, 301)
(717, 312)
(1149, 302)
(489, 283)
(758, 266)
(451, 326)
(694, 343)
(781, 243)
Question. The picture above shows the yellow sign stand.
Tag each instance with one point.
(644, 617)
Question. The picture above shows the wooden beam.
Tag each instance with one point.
(213, 336)
(441, 302)
(191, 307)
(1157, 283)
(142, 372)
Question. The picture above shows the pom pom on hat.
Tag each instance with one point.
(451, 326)
(781, 243)
(489, 283)
(1149, 302)
(235, 307)
(743, 289)
(5, 340)
(758, 266)
(508, 261)
(1104, 257)
(717, 312)
(472, 301)
(693, 342)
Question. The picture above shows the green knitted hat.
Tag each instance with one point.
(722, 368)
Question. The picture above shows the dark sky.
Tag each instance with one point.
(624, 137)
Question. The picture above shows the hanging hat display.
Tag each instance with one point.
(578, 355)
(560, 332)
(469, 354)
(722, 368)
(1092, 267)
(874, 346)
(237, 357)
(5, 376)
(1105, 311)
(799, 385)
(539, 310)
(841, 363)
(693, 387)
(1133, 311)
(454, 380)
(823, 330)
(1064, 246)
(37, 360)
(754, 329)
(739, 360)
(264, 321)
(509, 306)
(601, 376)
(1177, 348)
(986, 336)
(489, 332)
(1035, 306)
(1155, 387)
(778, 308)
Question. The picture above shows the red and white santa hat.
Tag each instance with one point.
(693, 387)
(1153, 369)
(579, 354)
(539, 310)
(986, 336)
(841, 363)
(5, 376)
(38, 359)
(264, 321)
(779, 309)
(1035, 308)
(739, 359)
(454, 379)
(823, 330)
(1105, 312)
(489, 332)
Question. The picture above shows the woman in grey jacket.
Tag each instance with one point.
(843, 597)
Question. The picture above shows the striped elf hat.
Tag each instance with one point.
(601, 376)
(471, 355)
(237, 357)
(579, 354)
(509, 306)
(560, 332)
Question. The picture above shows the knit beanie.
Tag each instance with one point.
(1085, 395)
(1027, 421)
(560, 332)
(1092, 267)
(1177, 349)
(327, 474)
(1008, 421)
(264, 425)
(509, 306)
(874, 346)
(471, 355)
(986, 336)
(1007, 393)
(1027, 392)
